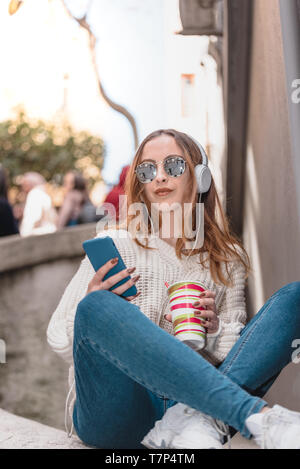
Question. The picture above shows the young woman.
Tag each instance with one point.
(135, 384)
(75, 200)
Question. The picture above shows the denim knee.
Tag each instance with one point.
(95, 300)
(295, 286)
(292, 307)
(91, 307)
(294, 290)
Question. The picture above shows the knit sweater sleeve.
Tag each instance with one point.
(232, 315)
(60, 328)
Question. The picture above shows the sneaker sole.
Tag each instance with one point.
(186, 444)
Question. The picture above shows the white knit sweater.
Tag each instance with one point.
(155, 267)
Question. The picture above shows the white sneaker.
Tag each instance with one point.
(161, 435)
(201, 431)
(280, 429)
(183, 427)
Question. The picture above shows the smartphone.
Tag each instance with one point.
(101, 250)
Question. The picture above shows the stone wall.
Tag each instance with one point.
(271, 222)
(34, 272)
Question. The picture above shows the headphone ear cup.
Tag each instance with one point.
(203, 178)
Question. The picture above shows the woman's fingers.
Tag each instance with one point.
(104, 269)
(111, 281)
(208, 294)
(209, 319)
(205, 314)
(130, 298)
(125, 286)
(204, 302)
(168, 317)
(97, 282)
(211, 327)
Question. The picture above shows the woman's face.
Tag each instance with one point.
(179, 187)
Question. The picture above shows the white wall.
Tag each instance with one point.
(140, 62)
(183, 55)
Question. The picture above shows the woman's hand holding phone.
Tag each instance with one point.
(97, 282)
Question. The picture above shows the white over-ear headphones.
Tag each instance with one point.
(202, 171)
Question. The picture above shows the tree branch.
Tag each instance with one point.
(92, 45)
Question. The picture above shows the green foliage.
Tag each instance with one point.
(50, 149)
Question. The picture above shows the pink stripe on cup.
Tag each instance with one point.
(191, 286)
(183, 305)
(188, 330)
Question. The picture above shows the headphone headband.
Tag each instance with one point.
(202, 151)
(202, 171)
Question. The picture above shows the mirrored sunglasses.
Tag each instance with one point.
(174, 166)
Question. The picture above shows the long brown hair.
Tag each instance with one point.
(220, 243)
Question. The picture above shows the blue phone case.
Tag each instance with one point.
(101, 250)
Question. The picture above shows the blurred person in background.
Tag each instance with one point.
(77, 207)
(8, 223)
(113, 196)
(39, 216)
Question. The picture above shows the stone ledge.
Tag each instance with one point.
(21, 433)
(18, 253)
(239, 442)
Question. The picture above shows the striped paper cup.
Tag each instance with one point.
(187, 327)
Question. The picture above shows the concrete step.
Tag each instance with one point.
(21, 433)
(239, 442)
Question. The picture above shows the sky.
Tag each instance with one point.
(139, 58)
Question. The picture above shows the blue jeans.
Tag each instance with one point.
(128, 370)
